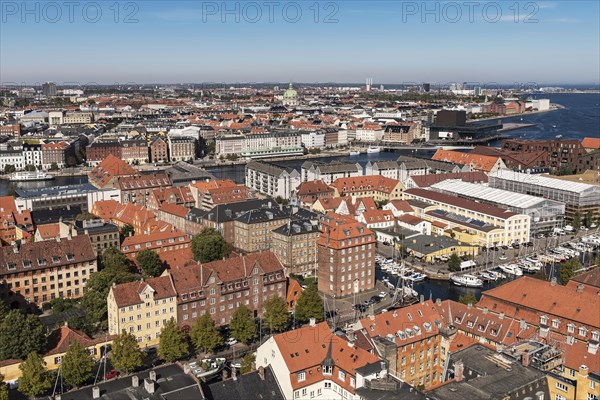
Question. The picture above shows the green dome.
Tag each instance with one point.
(290, 93)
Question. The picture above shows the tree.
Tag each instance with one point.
(126, 354)
(3, 389)
(34, 379)
(242, 325)
(204, 334)
(30, 167)
(209, 246)
(150, 262)
(113, 259)
(468, 299)
(77, 365)
(276, 315)
(54, 167)
(247, 362)
(589, 219)
(454, 262)
(172, 345)
(567, 270)
(85, 216)
(577, 221)
(97, 288)
(310, 305)
(59, 305)
(21, 335)
(9, 169)
(127, 230)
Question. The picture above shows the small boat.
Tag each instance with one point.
(488, 276)
(373, 150)
(407, 291)
(207, 367)
(511, 269)
(417, 277)
(466, 280)
(354, 153)
(23, 176)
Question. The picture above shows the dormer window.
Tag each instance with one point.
(582, 331)
(70, 257)
(555, 323)
(427, 327)
(55, 259)
(570, 328)
(26, 264)
(301, 376)
(41, 261)
(544, 320)
(327, 369)
(342, 376)
(596, 336)
(12, 266)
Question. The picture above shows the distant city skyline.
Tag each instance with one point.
(391, 42)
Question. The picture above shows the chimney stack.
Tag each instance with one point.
(135, 381)
(95, 392)
(225, 375)
(525, 359)
(261, 373)
(149, 385)
(501, 315)
(459, 369)
(312, 322)
(234, 373)
(421, 299)
(580, 288)
(553, 281)
(438, 302)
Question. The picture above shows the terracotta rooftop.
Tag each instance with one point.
(476, 161)
(128, 294)
(430, 179)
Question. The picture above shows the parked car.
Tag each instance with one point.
(113, 373)
(503, 258)
(504, 247)
(516, 245)
(231, 341)
(383, 295)
(375, 299)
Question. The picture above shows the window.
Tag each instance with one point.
(327, 370)
(342, 376)
(327, 385)
(301, 376)
(562, 386)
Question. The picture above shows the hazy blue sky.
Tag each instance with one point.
(348, 41)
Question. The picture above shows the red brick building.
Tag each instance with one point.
(136, 189)
(54, 153)
(346, 254)
(159, 151)
(10, 130)
(220, 287)
(98, 151)
(556, 154)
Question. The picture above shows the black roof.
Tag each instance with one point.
(41, 217)
(246, 387)
(228, 212)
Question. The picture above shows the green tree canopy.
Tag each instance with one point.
(126, 354)
(150, 262)
(54, 167)
(204, 334)
(568, 268)
(276, 315)
(77, 365)
(172, 345)
(60, 304)
(127, 230)
(310, 305)
(85, 216)
(3, 389)
(113, 258)
(454, 262)
(209, 246)
(577, 221)
(589, 219)
(20, 335)
(242, 325)
(9, 169)
(468, 299)
(96, 291)
(247, 362)
(34, 380)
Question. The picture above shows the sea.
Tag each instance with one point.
(579, 118)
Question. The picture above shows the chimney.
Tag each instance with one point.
(438, 302)
(485, 310)
(553, 281)
(580, 288)
(525, 359)
(153, 375)
(421, 299)
(539, 395)
(15, 246)
(234, 374)
(135, 381)
(95, 392)
(501, 315)
(225, 375)
(459, 369)
(583, 370)
(149, 385)
(261, 373)
(312, 322)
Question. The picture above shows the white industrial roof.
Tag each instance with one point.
(486, 193)
(560, 184)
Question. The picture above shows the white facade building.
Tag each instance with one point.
(312, 171)
(271, 180)
(313, 140)
(12, 157)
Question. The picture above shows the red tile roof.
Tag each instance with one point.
(61, 339)
(476, 161)
(109, 168)
(430, 179)
(401, 205)
(591, 143)
(359, 184)
(128, 294)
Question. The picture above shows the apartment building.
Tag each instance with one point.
(215, 192)
(55, 153)
(489, 225)
(253, 228)
(477, 162)
(346, 256)
(163, 242)
(378, 187)
(220, 287)
(12, 219)
(180, 195)
(100, 150)
(35, 273)
(32, 154)
(108, 170)
(56, 197)
(102, 235)
(181, 148)
(260, 145)
(142, 308)
(136, 189)
(134, 151)
(413, 340)
(309, 192)
(272, 180)
(314, 363)
(295, 245)
(312, 171)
